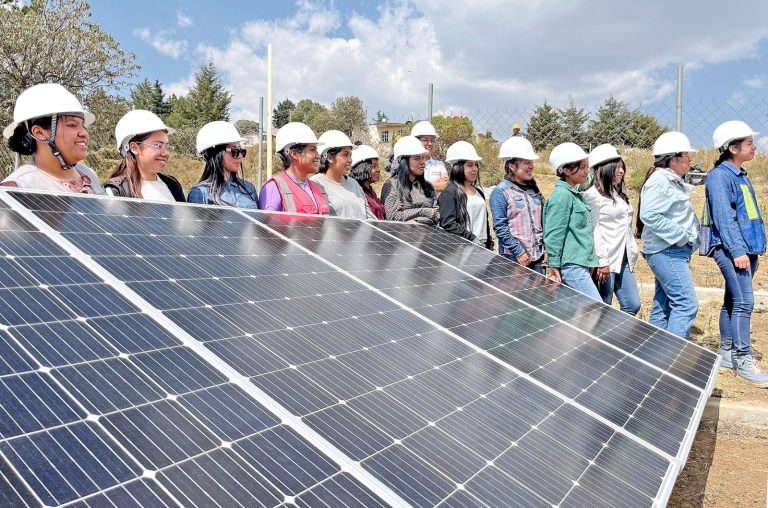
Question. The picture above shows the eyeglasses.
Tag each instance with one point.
(427, 140)
(157, 145)
(236, 152)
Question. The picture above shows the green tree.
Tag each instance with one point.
(348, 114)
(380, 118)
(282, 113)
(313, 114)
(111, 108)
(247, 126)
(611, 124)
(206, 101)
(573, 124)
(450, 129)
(644, 129)
(150, 96)
(544, 126)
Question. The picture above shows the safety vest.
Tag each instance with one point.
(297, 200)
(748, 217)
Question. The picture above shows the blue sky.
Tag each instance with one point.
(491, 59)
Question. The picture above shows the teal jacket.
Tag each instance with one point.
(567, 229)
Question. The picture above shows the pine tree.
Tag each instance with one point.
(544, 126)
(573, 123)
(150, 96)
(281, 115)
(611, 124)
(206, 101)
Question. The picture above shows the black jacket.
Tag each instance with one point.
(119, 186)
(450, 218)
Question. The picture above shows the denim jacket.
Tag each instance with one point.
(230, 194)
(667, 213)
(517, 220)
(736, 221)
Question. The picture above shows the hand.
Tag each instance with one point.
(434, 214)
(741, 262)
(554, 275)
(524, 259)
(603, 273)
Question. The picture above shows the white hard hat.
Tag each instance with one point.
(461, 151)
(603, 153)
(408, 145)
(294, 133)
(517, 147)
(672, 142)
(363, 153)
(135, 123)
(424, 128)
(332, 139)
(729, 131)
(46, 99)
(566, 153)
(215, 134)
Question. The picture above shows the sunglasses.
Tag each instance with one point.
(236, 152)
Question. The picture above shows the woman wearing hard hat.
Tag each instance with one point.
(142, 140)
(291, 190)
(735, 237)
(434, 170)
(567, 232)
(365, 170)
(345, 196)
(219, 144)
(611, 218)
(670, 233)
(516, 206)
(463, 209)
(411, 198)
(49, 123)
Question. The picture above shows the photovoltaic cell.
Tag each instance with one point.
(430, 366)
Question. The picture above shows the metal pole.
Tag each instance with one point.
(261, 140)
(16, 161)
(269, 111)
(429, 104)
(679, 106)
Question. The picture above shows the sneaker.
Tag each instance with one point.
(746, 368)
(727, 361)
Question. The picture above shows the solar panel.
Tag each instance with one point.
(422, 372)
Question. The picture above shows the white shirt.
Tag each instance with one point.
(345, 199)
(156, 190)
(434, 170)
(478, 217)
(612, 227)
(29, 176)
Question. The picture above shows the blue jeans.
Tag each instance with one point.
(624, 285)
(536, 267)
(674, 303)
(736, 312)
(579, 278)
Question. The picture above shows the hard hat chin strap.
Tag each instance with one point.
(52, 145)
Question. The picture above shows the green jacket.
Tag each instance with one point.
(567, 229)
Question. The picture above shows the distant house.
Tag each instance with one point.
(382, 135)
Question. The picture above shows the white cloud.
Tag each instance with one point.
(492, 55)
(161, 42)
(756, 82)
(183, 20)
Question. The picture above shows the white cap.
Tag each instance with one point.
(603, 153)
(134, 123)
(332, 139)
(294, 133)
(461, 151)
(672, 142)
(424, 128)
(364, 153)
(46, 99)
(408, 145)
(517, 147)
(566, 153)
(730, 131)
(215, 134)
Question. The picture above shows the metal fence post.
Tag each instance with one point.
(261, 140)
(429, 103)
(679, 105)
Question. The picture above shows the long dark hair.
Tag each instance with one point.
(213, 173)
(458, 179)
(603, 180)
(404, 179)
(128, 168)
(725, 154)
(22, 141)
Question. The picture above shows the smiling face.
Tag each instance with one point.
(375, 171)
(577, 175)
(428, 142)
(341, 163)
(522, 170)
(307, 160)
(618, 173)
(152, 154)
(71, 137)
(470, 171)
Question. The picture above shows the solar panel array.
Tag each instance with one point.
(160, 354)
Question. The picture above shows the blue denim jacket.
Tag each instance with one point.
(736, 221)
(230, 194)
(667, 213)
(524, 219)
